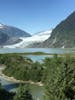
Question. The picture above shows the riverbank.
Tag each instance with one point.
(12, 79)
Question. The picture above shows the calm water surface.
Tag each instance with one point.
(39, 58)
(46, 50)
(36, 91)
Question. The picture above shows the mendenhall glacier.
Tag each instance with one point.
(36, 38)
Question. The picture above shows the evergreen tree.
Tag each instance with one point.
(60, 82)
(23, 93)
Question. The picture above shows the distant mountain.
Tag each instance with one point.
(30, 41)
(12, 33)
(63, 35)
(3, 37)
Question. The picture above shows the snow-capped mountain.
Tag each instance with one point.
(36, 38)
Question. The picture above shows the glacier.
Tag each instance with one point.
(36, 38)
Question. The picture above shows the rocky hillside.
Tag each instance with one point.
(3, 37)
(63, 35)
(11, 35)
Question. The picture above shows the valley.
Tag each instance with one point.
(44, 70)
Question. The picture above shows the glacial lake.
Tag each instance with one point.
(37, 91)
(46, 50)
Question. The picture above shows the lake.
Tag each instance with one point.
(46, 50)
(37, 57)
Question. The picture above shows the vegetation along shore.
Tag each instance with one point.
(55, 74)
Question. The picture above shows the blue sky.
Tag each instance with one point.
(35, 15)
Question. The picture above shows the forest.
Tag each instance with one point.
(57, 74)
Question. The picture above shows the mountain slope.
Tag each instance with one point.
(3, 37)
(13, 33)
(63, 35)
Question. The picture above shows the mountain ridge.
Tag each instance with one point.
(63, 35)
(12, 33)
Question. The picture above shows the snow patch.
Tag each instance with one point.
(1, 25)
(44, 33)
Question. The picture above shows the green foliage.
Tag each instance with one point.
(23, 68)
(57, 75)
(23, 93)
(60, 80)
(36, 72)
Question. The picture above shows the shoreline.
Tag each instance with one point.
(12, 79)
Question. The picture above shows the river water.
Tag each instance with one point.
(36, 91)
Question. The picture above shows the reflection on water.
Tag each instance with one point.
(36, 91)
(11, 87)
(7, 84)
